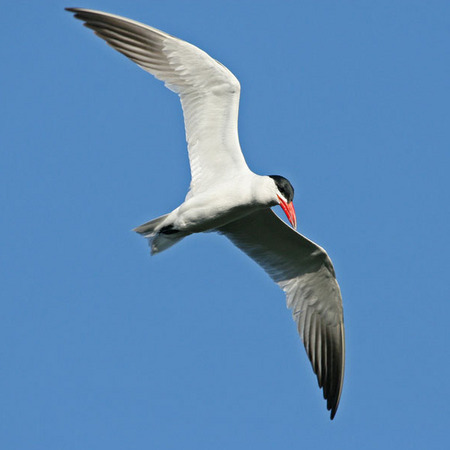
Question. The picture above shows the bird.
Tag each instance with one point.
(226, 197)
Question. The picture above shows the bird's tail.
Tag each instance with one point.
(159, 237)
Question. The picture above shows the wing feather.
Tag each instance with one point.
(209, 92)
(305, 273)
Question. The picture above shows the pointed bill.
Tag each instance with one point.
(289, 210)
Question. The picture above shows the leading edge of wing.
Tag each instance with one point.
(305, 272)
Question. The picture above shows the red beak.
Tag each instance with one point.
(289, 210)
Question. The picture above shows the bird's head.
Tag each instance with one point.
(285, 195)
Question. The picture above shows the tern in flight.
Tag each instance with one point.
(227, 197)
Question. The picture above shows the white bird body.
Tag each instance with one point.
(223, 203)
(227, 197)
(210, 210)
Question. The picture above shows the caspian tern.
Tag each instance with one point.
(227, 197)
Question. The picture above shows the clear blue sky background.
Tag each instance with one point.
(104, 347)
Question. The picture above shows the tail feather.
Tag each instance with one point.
(148, 229)
(158, 239)
(162, 241)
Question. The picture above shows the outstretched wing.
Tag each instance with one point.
(305, 273)
(209, 92)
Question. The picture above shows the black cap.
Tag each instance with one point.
(284, 186)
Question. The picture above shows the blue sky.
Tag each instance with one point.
(102, 346)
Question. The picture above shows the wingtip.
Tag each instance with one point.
(333, 413)
(77, 11)
(333, 400)
(333, 403)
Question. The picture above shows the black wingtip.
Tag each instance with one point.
(333, 413)
(77, 12)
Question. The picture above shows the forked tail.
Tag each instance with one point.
(159, 237)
